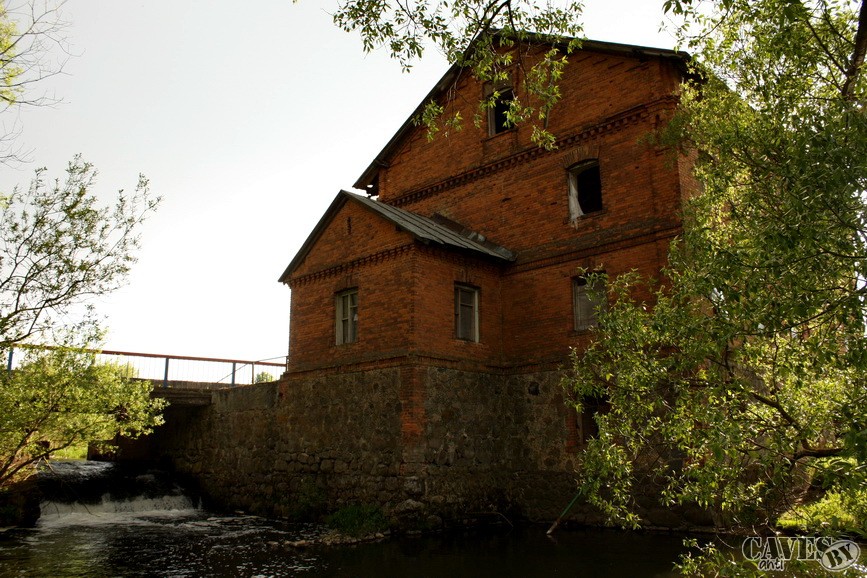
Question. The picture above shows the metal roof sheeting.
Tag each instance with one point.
(422, 228)
(426, 229)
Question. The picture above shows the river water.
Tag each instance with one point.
(153, 529)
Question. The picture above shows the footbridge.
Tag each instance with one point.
(182, 379)
(186, 380)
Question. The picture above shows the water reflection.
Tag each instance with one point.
(520, 552)
(194, 544)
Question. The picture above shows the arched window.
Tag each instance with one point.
(585, 190)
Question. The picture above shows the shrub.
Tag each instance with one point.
(358, 520)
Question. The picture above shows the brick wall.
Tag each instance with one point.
(600, 93)
(516, 195)
(384, 314)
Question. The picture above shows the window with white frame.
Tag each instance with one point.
(466, 312)
(585, 190)
(346, 322)
(587, 301)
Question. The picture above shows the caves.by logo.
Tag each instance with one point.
(772, 553)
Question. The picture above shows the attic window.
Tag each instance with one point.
(498, 121)
(585, 190)
(372, 188)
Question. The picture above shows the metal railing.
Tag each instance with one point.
(167, 370)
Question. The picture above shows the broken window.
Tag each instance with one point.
(466, 313)
(587, 301)
(346, 306)
(498, 120)
(585, 190)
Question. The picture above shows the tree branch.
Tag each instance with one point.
(857, 62)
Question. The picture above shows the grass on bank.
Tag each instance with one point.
(841, 507)
(358, 520)
(837, 512)
(75, 452)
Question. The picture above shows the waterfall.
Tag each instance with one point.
(87, 492)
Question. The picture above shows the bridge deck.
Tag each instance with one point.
(184, 396)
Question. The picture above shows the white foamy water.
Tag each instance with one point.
(103, 520)
(116, 511)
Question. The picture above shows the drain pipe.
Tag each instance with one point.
(557, 521)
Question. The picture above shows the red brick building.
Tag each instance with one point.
(470, 254)
(463, 275)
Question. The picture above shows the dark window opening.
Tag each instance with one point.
(585, 190)
(498, 120)
(587, 426)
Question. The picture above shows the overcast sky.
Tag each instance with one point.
(247, 117)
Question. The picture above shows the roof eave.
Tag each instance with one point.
(369, 174)
(493, 252)
(332, 210)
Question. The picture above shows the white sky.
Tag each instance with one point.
(247, 117)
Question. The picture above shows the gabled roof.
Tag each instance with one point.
(424, 229)
(367, 179)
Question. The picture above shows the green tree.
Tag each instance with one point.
(31, 34)
(744, 379)
(263, 377)
(62, 397)
(59, 248)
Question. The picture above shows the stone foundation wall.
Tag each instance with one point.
(427, 444)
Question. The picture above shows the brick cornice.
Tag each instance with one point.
(663, 232)
(344, 267)
(609, 125)
(428, 361)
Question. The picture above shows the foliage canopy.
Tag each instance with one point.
(62, 397)
(464, 32)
